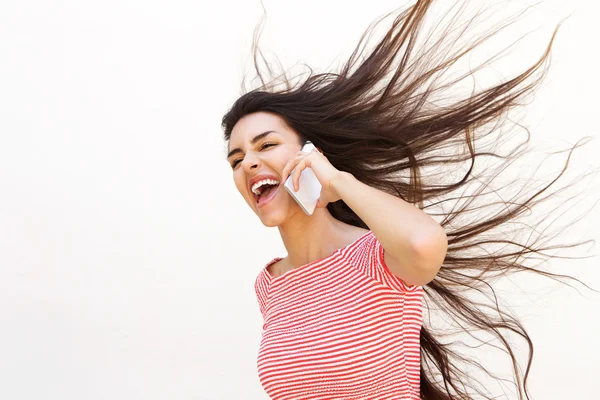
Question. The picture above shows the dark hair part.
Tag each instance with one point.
(386, 119)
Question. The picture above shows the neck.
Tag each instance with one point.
(310, 238)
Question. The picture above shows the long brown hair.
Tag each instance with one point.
(386, 118)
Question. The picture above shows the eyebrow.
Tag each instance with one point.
(254, 140)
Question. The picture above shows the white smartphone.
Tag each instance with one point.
(310, 188)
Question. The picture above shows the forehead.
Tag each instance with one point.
(252, 124)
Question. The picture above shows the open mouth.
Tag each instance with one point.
(268, 192)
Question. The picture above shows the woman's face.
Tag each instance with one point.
(260, 146)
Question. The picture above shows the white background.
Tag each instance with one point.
(127, 258)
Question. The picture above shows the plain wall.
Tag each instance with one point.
(128, 258)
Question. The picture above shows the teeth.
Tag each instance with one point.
(263, 182)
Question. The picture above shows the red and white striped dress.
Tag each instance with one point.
(342, 327)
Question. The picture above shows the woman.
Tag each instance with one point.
(343, 310)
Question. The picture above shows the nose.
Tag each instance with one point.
(250, 162)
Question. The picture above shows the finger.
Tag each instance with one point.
(284, 173)
(291, 164)
(297, 172)
(303, 164)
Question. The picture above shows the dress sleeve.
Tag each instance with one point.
(369, 258)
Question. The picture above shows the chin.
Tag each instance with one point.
(277, 217)
(274, 218)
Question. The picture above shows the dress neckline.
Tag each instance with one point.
(303, 267)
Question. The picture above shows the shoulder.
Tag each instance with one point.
(368, 256)
(262, 284)
(360, 240)
(271, 270)
(276, 266)
(358, 237)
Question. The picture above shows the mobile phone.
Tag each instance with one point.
(310, 188)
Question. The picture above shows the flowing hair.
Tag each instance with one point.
(387, 118)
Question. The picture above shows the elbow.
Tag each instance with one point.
(429, 255)
(421, 264)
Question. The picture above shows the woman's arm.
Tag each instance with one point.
(414, 243)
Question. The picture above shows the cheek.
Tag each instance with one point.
(239, 182)
(282, 159)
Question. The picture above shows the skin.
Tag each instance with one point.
(414, 244)
(271, 155)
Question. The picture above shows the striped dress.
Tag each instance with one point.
(342, 327)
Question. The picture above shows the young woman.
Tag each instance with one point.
(343, 311)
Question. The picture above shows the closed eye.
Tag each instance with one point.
(268, 144)
(265, 145)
